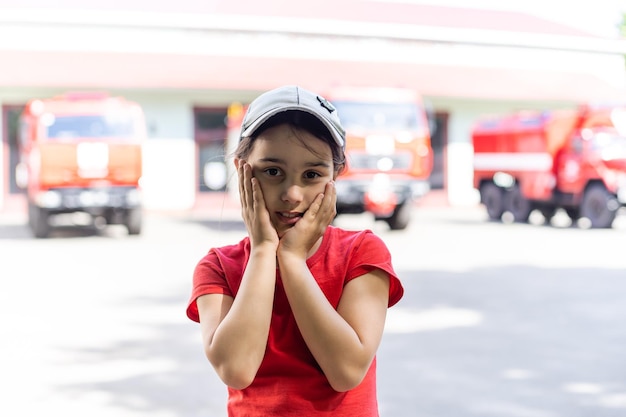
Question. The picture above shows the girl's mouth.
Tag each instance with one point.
(288, 218)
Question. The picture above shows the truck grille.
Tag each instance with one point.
(399, 161)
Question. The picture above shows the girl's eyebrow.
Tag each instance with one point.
(283, 162)
(273, 160)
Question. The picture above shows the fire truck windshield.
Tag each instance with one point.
(361, 115)
(95, 126)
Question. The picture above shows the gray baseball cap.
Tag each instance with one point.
(292, 97)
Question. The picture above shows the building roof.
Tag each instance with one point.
(253, 45)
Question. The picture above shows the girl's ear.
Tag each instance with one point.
(338, 171)
(236, 162)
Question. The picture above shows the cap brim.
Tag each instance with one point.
(249, 131)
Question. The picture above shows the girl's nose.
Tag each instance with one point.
(292, 194)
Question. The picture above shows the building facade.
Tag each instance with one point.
(186, 62)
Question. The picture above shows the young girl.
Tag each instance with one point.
(291, 317)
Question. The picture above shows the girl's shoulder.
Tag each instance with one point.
(339, 235)
(227, 257)
(347, 241)
(236, 250)
(360, 252)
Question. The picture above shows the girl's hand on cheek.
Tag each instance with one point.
(301, 238)
(253, 209)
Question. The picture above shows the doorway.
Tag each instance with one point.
(13, 198)
(210, 138)
(439, 141)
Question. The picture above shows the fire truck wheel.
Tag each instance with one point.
(133, 221)
(492, 197)
(38, 221)
(400, 218)
(599, 206)
(516, 204)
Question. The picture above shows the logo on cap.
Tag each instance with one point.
(326, 104)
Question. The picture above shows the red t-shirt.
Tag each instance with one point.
(289, 381)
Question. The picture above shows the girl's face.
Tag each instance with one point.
(290, 174)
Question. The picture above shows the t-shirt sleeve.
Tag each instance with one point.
(208, 278)
(370, 254)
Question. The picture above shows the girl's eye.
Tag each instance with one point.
(312, 175)
(272, 172)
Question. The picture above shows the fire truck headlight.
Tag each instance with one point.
(385, 164)
(49, 199)
(133, 197)
(504, 180)
(420, 188)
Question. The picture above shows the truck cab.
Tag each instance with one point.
(388, 151)
(81, 161)
(573, 159)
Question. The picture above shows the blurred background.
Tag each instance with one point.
(185, 63)
(498, 320)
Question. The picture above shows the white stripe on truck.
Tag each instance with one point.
(512, 161)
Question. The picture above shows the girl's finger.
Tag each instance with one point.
(242, 191)
(257, 194)
(247, 185)
(328, 203)
(315, 206)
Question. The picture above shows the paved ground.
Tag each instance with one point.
(498, 320)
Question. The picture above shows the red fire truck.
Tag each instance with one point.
(81, 161)
(388, 150)
(573, 159)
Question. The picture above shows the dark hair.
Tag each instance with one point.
(299, 120)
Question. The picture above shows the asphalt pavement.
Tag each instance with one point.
(498, 320)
